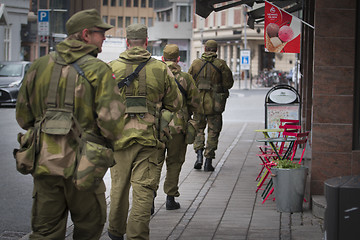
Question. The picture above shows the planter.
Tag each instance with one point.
(289, 185)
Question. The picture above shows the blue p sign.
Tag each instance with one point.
(43, 15)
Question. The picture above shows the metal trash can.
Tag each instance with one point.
(342, 213)
(289, 185)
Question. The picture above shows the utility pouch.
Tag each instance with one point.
(220, 102)
(164, 129)
(204, 84)
(136, 104)
(57, 121)
(190, 132)
(25, 156)
(92, 163)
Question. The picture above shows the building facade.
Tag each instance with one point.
(13, 15)
(173, 25)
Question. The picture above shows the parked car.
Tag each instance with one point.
(11, 77)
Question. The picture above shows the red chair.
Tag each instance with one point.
(301, 139)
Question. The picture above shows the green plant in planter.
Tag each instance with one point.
(287, 164)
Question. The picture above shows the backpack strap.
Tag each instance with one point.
(182, 90)
(197, 74)
(128, 80)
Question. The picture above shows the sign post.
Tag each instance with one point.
(43, 26)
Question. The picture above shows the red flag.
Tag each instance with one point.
(282, 30)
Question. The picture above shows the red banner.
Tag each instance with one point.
(282, 30)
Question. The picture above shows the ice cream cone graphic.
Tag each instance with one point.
(274, 44)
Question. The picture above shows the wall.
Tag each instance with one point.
(333, 86)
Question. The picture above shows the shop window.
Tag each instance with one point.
(150, 22)
(127, 21)
(112, 21)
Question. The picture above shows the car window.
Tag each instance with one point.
(10, 70)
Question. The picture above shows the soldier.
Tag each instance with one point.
(98, 109)
(151, 93)
(181, 127)
(213, 79)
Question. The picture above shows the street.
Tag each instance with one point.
(16, 189)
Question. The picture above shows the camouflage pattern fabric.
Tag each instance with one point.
(190, 102)
(215, 85)
(98, 107)
(213, 94)
(161, 92)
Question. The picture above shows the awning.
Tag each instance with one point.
(3, 14)
(205, 7)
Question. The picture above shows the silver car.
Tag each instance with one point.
(11, 77)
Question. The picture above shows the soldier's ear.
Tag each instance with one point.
(178, 59)
(85, 35)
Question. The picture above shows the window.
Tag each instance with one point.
(121, 3)
(151, 3)
(113, 3)
(120, 22)
(105, 19)
(184, 13)
(143, 3)
(7, 44)
(112, 21)
(150, 22)
(135, 20)
(127, 21)
(136, 3)
(105, 2)
(143, 20)
(128, 3)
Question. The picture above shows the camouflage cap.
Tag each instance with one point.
(211, 44)
(136, 31)
(84, 20)
(171, 51)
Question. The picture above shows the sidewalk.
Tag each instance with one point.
(223, 204)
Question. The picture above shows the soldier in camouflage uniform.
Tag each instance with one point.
(98, 109)
(180, 127)
(136, 151)
(213, 79)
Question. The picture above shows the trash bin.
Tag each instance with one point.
(342, 213)
(289, 185)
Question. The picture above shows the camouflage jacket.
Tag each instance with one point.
(161, 92)
(217, 83)
(190, 102)
(97, 104)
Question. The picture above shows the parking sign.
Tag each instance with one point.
(245, 59)
(43, 22)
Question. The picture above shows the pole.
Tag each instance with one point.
(245, 45)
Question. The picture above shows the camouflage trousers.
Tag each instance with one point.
(54, 197)
(214, 126)
(175, 157)
(136, 167)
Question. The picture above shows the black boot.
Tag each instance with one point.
(171, 204)
(208, 165)
(199, 159)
